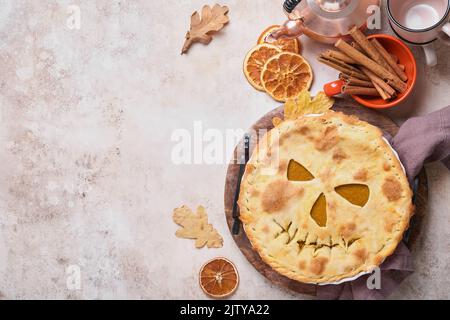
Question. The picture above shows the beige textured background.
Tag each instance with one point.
(86, 176)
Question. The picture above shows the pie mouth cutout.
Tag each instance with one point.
(309, 240)
(355, 193)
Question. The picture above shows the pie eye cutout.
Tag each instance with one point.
(297, 172)
(319, 211)
(357, 194)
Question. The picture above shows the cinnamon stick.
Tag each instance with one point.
(339, 55)
(352, 81)
(377, 80)
(340, 62)
(349, 72)
(397, 60)
(387, 56)
(356, 46)
(370, 49)
(382, 93)
(365, 61)
(360, 91)
(399, 86)
(360, 83)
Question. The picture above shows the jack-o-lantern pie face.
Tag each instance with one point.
(324, 198)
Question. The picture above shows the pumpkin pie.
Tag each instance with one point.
(324, 198)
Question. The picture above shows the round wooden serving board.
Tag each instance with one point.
(265, 123)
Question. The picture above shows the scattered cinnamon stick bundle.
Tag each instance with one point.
(366, 67)
(368, 47)
(362, 59)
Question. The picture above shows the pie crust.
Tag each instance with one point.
(337, 150)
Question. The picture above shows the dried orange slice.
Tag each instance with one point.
(219, 278)
(286, 75)
(290, 45)
(254, 63)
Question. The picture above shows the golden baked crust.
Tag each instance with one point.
(337, 150)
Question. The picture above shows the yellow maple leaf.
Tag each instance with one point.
(277, 121)
(321, 103)
(303, 105)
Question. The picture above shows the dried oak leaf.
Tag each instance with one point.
(212, 20)
(195, 226)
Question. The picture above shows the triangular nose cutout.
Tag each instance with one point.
(319, 211)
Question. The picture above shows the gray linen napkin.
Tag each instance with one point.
(420, 140)
(424, 139)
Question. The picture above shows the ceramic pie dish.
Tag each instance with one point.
(324, 199)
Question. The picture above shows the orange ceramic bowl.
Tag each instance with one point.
(406, 58)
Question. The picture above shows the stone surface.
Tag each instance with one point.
(87, 178)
